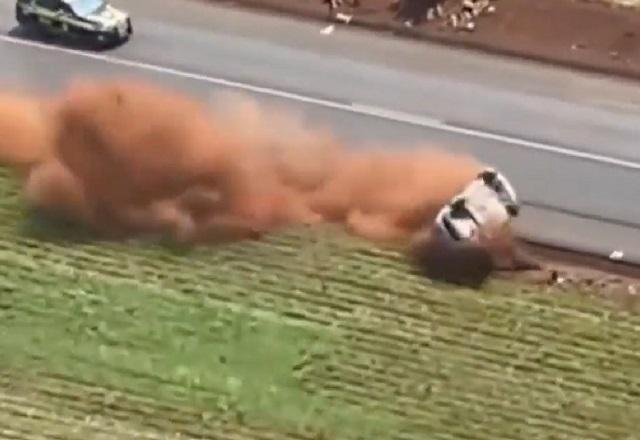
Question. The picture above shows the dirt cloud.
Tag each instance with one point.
(25, 131)
(127, 158)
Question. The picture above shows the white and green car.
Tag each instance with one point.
(94, 20)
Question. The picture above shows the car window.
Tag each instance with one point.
(87, 7)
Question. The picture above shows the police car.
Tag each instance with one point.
(94, 20)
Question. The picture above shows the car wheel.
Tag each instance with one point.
(25, 20)
(31, 24)
(106, 40)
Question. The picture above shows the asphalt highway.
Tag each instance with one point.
(566, 140)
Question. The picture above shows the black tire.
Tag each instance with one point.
(31, 25)
(23, 19)
(109, 40)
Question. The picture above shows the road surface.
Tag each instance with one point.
(565, 139)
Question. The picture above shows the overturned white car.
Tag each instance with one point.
(471, 235)
(483, 210)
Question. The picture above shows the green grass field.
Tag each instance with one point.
(307, 335)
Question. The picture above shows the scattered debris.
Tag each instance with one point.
(344, 17)
(457, 14)
(616, 255)
(555, 278)
(456, 22)
(340, 16)
(463, 18)
(435, 12)
(328, 30)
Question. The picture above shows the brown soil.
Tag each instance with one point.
(564, 271)
(587, 35)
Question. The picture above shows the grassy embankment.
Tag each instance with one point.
(246, 342)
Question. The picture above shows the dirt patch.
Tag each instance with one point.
(560, 272)
(568, 272)
(587, 35)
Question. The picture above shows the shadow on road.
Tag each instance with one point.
(36, 36)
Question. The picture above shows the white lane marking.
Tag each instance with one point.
(362, 109)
